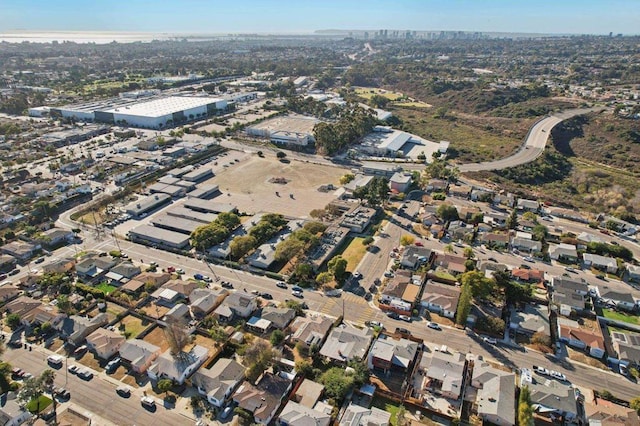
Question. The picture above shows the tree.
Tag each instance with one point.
(13, 321)
(337, 384)
(257, 357)
(407, 240)
(165, 385)
(218, 334)
(304, 367)
(241, 245)
(177, 337)
(47, 379)
(481, 286)
(367, 241)
(449, 248)
(281, 155)
(635, 404)
(31, 390)
(468, 253)
(303, 271)
(401, 419)
(64, 305)
(541, 339)
(447, 212)
(277, 337)
(540, 232)
(345, 179)
(288, 249)
(464, 304)
(337, 266)
(5, 371)
(525, 410)
(512, 220)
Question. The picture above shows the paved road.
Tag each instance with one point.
(533, 146)
(96, 395)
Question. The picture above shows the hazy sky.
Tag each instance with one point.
(305, 16)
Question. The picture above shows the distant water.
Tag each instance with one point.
(97, 37)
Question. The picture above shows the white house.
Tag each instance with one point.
(600, 262)
(178, 368)
(567, 252)
(441, 298)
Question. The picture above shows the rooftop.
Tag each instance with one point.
(164, 106)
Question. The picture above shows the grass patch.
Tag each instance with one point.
(106, 288)
(444, 275)
(132, 326)
(620, 316)
(39, 404)
(389, 406)
(354, 252)
(369, 92)
(413, 104)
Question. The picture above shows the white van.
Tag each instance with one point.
(55, 360)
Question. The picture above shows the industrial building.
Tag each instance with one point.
(171, 190)
(174, 223)
(287, 130)
(147, 234)
(387, 142)
(207, 206)
(152, 112)
(205, 191)
(183, 212)
(198, 175)
(146, 205)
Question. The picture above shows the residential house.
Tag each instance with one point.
(8, 292)
(551, 398)
(182, 287)
(241, 304)
(357, 415)
(278, 317)
(414, 256)
(400, 182)
(178, 368)
(294, 414)
(437, 185)
(495, 394)
(563, 252)
(443, 372)
(462, 191)
(75, 329)
(495, 218)
(218, 382)
(139, 354)
(387, 353)
(483, 228)
(429, 219)
(627, 347)
(571, 333)
(94, 267)
(55, 236)
(59, 266)
(460, 231)
(495, 240)
(42, 314)
(618, 416)
(585, 238)
(311, 329)
(105, 343)
(531, 276)
(12, 413)
(21, 306)
(138, 283)
(264, 398)
(258, 325)
(526, 244)
(527, 205)
(204, 300)
(308, 393)
(437, 230)
(530, 319)
(20, 250)
(441, 298)
(623, 301)
(126, 269)
(347, 342)
(482, 194)
(7, 262)
(604, 263)
(179, 314)
(634, 272)
(450, 262)
(569, 294)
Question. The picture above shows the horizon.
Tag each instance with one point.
(290, 17)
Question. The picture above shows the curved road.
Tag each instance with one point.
(533, 146)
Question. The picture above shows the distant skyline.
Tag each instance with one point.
(305, 17)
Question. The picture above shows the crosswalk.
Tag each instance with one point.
(355, 307)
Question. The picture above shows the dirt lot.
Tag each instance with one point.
(156, 337)
(132, 325)
(247, 185)
(155, 311)
(91, 361)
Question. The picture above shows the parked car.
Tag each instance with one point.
(226, 412)
(357, 275)
(206, 279)
(80, 350)
(14, 271)
(623, 369)
(113, 365)
(297, 293)
(266, 296)
(148, 402)
(62, 393)
(55, 361)
(392, 315)
(226, 284)
(374, 324)
(434, 326)
(403, 331)
(39, 260)
(569, 269)
(404, 318)
(73, 369)
(523, 266)
(256, 292)
(529, 259)
(490, 340)
(123, 391)
(180, 271)
(198, 277)
(281, 284)
(85, 374)
(297, 288)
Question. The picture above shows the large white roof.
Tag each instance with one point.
(164, 106)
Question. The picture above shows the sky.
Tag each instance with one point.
(306, 16)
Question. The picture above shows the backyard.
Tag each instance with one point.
(105, 287)
(131, 326)
(620, 316)
(39, 404)
(389, 406)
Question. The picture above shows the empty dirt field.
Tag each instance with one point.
(249, 187)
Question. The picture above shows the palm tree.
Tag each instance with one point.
(47, 378)
(449, 248)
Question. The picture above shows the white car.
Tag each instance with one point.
(148, 402)
(297, 293)
(490, 340)
(433, 325)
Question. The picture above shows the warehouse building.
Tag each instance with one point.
(176, 224)
(207, 206)
(155, 113)
(171, 190)
(205, 191)
(159, 237)
(183, 212)
(198, 175)
(287, 130)
(145, 205)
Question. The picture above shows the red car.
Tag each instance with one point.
(419, 244)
